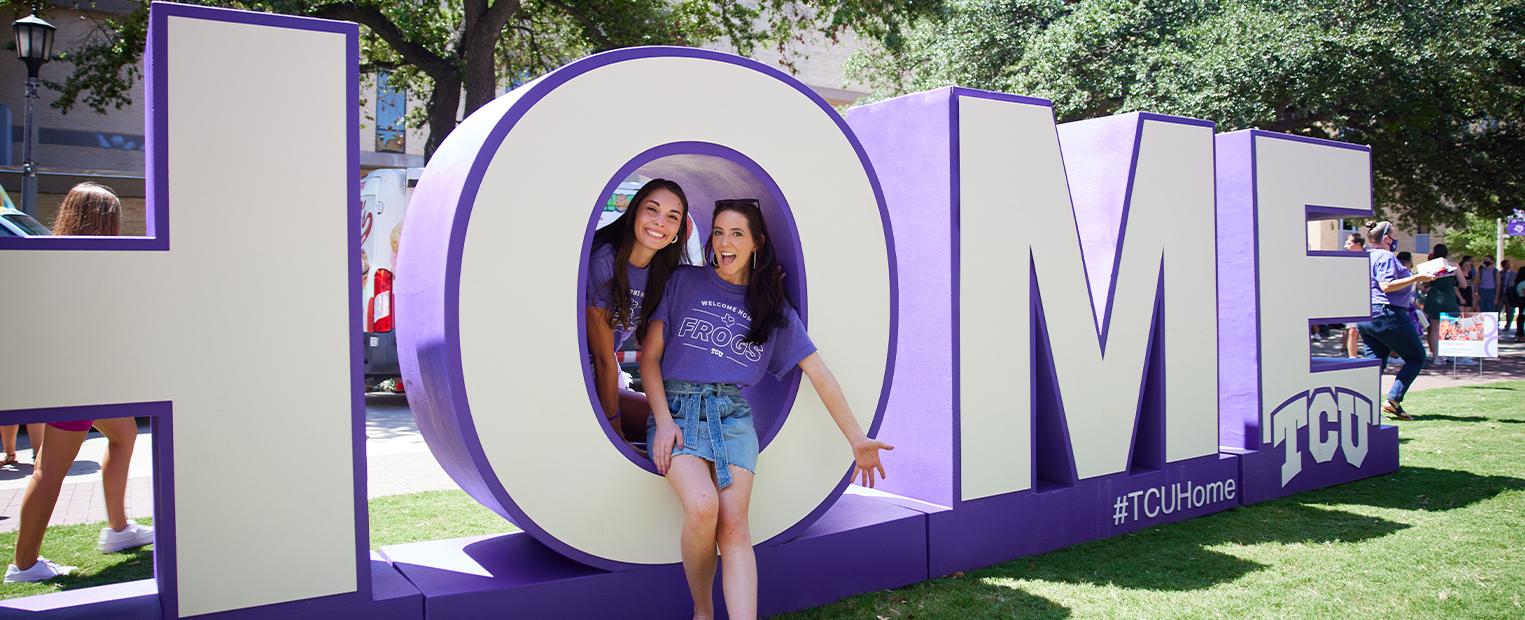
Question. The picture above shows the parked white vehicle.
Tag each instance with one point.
(15, 223)
(384, 196)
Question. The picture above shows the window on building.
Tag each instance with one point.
(391, 107)
(1422, 240)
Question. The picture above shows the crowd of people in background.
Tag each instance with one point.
(89, 209)
(1407, 306)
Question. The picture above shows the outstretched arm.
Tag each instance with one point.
(1399, 284)
(865, 450)
(668, 437)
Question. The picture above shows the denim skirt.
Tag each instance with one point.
(716, 423)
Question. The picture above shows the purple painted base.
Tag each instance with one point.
(132, 600)
(1260, 470)
(393, 598)
(997, 529)
(863, 543)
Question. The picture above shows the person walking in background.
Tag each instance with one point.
(88, 210)
(1508, 298)
(1440, 296)
(1519, 297)
(1487, 287)
(8, 434)
(1390, 329)
(1465, 278)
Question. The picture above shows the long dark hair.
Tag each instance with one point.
(765, 289)
(620, 235)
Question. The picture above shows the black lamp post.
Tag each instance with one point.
(34, 44)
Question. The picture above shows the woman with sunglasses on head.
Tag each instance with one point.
(716, 331)
(627, 272)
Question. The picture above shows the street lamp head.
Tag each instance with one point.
(34, 40)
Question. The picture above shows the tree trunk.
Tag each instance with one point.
(442, 106)
(481, 65)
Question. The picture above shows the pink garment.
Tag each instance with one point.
(72, 425)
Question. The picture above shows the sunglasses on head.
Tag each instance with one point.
(736, 202)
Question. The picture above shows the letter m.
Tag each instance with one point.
(1086, 291)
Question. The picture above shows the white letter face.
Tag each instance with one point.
(1292, 177)
(1138, 232)
(494, 268)
(257, 172)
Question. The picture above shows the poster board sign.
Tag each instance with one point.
(1469, 334)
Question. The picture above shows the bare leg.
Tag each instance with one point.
(1434, 338)
(42, 493)
(691, 479)
(8, 439)
(121, 435)
(739, 579)
(34, 434)
(633, 413)
(1352, 342)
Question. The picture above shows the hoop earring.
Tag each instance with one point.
(674, 239)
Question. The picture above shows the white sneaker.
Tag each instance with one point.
(43, 569)
(1465, 361)
(134, 535)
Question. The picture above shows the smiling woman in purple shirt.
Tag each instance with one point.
(1389, 330)
(627, 272)
(716, 331)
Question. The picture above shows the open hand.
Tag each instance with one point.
(667, 439)
(866, 459)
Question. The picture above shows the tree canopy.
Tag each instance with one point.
(458, 52)
(1435, 87)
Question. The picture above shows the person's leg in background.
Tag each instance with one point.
(34, 435)
(8, 439)
(121, 436)
(37, 506)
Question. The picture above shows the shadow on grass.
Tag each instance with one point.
(1427, 417)
(1416, 488)
(139, 565)
(1178, 557)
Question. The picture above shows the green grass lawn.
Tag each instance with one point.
(1442, 537)
(74, 545)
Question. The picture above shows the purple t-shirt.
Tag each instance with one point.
(704, 327)
(1384, 268)
(599, 294)
(1485, 278)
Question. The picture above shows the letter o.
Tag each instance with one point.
(489, 295)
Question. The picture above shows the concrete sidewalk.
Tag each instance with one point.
(1509, 365)
(398, 460)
